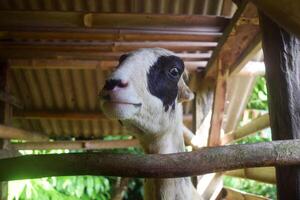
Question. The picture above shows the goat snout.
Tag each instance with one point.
(113, 83)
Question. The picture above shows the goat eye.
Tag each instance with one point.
(174, 72)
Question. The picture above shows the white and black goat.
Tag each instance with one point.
(145, 92)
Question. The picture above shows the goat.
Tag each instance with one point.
(145, 93)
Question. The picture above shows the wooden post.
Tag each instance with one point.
(3, 117)
(218, 106)
(282, 59)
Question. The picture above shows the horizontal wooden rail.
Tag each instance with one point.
(77, 145)
(262, 174)
(113, 35)
(62, 20)
(7, 132)
(252, 127)
(206, 160)
(191, 66)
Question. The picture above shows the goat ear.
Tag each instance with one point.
(184, 92)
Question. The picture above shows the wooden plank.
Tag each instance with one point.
(282, 58)
(107, 46)
(284, 12)
(206, 160)
(262, 174)
(113, 35)
(191, 66)
(84, 55)
(7, 132)
(252, 127)
(218, 106)
(63, 115)
(238, 37)
(77, 145)
(233, 194)
(46, 19)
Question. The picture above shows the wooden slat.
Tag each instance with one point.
(262, 174)
(233, 194)
(7, 132)
(113, 35)
(252, 127)
(218, 106)
(191, 66)
(63, 115)
(241, 33)
(77, 145)
(46, 19)
(83, 55)
(106, 46)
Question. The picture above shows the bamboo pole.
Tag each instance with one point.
(206, 160)
(263, 174)
(7, 132)
(77, 145)
(233, 194)
(254, 126)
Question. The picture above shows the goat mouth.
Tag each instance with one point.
(126, 103)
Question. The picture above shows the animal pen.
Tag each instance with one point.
(56, 55)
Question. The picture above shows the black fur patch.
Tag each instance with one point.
(162, 83)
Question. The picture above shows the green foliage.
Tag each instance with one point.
(259, 97)
(74, 187)
(253, 187)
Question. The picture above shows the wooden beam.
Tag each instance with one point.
(252, 127)
(77, 145)
(233, 194)
(59, 115)
(191, 66)
(218, 106)
(4, 114)
(206, 160)
(262, 174)
(93, 46)
(112, 35)
(84, 55)
(281, 55)
(239, 38)
(285, 13)
(10, 99)
(7, 132)
(63, 20)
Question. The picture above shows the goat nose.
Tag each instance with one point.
(112, 83)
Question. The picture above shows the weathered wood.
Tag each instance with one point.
(10, 99)
(284, 12)
(77, 145)
(233, 194)
(107, 46)
(218, 106)
(262, 174)
(4, 67)
(238, 37)
(254, 126)
(282, 58)
(48, 19)
(206, 160)
(113, 35)
(191, 66)
(7, 132)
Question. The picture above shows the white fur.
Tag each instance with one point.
(158, 131)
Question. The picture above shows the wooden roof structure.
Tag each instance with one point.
(60, 53)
